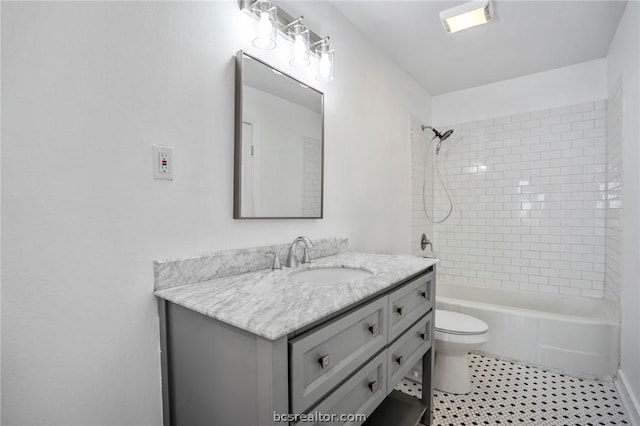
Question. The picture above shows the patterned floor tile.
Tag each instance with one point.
(508, 393)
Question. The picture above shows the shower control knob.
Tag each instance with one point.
(424, 241)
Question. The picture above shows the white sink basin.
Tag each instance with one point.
(330, 274)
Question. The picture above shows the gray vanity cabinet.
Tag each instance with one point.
(409, 303)
(408, 349)
(216, 374)
(321, 359)
(362, 393)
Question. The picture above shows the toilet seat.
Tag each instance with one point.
(449, 322)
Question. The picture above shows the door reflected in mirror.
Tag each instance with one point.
(278, 144)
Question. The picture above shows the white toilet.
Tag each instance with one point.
(456, 335)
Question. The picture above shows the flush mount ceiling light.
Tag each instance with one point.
(467, 15)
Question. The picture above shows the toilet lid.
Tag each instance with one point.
(457, 323)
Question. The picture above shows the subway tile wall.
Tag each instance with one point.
(613, 232)
(529, 195)
(312, 175)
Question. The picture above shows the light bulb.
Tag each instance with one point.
(324, 67)
(299, 55)
(299, 47)
(264, 26)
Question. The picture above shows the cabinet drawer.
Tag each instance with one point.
(320, 359)
(409, 303)
(360, 394)
(408, 349)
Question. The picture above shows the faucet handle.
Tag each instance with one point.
(276, 260)
(306, 258)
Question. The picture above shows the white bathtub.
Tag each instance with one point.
(574, 335)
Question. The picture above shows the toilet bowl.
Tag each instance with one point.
(456, 335)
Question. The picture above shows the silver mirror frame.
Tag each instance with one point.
(237, 180)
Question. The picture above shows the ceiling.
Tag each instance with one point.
(525, 37)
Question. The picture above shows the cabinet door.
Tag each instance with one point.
(321, 358)
(352, 402)
(408, 349)
(408, 303)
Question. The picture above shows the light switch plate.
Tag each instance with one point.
(162, 162)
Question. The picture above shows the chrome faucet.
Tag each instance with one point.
(292, 261)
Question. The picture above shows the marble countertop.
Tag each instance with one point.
(271, 304)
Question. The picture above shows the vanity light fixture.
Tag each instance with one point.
(325, 56)
(467, 15)
(304, 42)
(265, 23)
(299, 37)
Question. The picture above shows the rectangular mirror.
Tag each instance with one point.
(278, 144)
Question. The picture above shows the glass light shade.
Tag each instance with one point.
(325, 56)
(299, 36)
(264, 30)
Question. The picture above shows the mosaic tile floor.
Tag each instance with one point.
(507, 393)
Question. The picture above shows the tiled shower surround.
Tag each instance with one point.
(529, 193)
(612, 276)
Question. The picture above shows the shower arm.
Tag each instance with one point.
(437, 133)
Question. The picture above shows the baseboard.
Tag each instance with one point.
(629, 400)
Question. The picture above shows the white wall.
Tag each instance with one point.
(88, 87)
(570, 85)
(623, 66)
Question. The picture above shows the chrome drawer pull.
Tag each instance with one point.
(373, 386)
(324, 361)
(373, 329)
(400, 310)
(399, 359)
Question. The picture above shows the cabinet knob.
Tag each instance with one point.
(373, 386)
(423, 336)
(324, 361)
(423, 294)
(373, 329)
(400, 359)
(400, 310)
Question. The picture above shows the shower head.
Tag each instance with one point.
(441, 136)
(445, 135)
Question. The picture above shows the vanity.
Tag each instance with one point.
(266, 347)
(245, 342)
